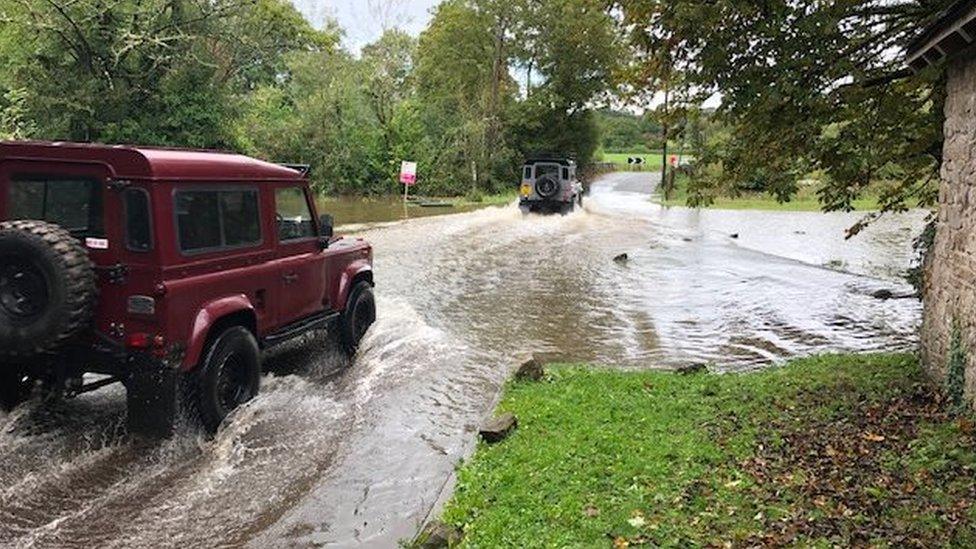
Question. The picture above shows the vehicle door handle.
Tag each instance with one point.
(290, 278)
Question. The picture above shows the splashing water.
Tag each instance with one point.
(340, 454)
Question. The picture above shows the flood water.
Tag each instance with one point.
(358, 454)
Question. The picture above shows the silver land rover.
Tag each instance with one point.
(550, 185)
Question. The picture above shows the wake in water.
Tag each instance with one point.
(338, 453)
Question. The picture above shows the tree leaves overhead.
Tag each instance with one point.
(805, 86)
(255, 76)
(150, 71)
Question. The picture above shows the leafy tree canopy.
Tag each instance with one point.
(805, 86)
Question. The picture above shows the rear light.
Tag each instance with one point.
(139, 341)
(143, 342)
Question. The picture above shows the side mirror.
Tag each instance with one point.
(326, 226)
(326, 230)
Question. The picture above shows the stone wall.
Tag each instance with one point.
(950, 293)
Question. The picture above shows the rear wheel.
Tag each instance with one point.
(229, 377)
(359, 315)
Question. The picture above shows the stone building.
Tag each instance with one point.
(949, 327)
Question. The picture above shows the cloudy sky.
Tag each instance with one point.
(365, 20)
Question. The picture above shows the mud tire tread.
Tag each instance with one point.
(79, 279)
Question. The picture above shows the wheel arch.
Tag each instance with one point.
(213, 319)
(360, 271)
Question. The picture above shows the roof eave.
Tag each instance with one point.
(952, 33)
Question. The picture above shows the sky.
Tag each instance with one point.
(365, 20)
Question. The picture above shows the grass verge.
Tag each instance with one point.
(806, 200)
(839, 450)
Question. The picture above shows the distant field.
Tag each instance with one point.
(652, 161)
(806, 200)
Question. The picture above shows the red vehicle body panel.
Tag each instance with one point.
(273, 284)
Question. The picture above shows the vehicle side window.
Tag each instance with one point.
(71, 202)
(138, 224)
(293, 215)
(211, 220)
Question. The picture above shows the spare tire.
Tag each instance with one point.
(547, 186)
(47, 288)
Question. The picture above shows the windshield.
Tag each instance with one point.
(73, 203)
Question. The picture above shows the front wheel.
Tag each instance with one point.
(359, 315)
(229, 377)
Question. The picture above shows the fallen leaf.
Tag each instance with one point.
(873, 438)
(591, 512)
(621, 543)
(733, 484)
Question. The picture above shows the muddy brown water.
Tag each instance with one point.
(358, 454)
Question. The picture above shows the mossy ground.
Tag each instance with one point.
(834, 450)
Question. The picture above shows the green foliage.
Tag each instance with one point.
(163, 72)
(804, 86)
(955, 380)
(254, 76)
(625, 132)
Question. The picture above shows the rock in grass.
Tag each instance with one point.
(499, 428)
(622, 258)
(734, 236)
(692, 369)
(530, 371)
(437, 535)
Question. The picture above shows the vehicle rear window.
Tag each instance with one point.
(217, 219)
(293, 215)
(565, 173)
(73, 203)
(546, 169)
(528, 172)
(138, 227)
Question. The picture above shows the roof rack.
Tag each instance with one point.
(303, 169)
(563, 159)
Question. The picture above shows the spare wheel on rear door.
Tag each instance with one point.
(47, 288)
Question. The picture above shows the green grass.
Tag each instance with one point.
(496, 199)
(841, 450)
(806, 200)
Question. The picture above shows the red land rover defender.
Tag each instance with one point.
(169, 271)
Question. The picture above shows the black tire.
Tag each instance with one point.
(547, 186)
(15, 388)
(47, 288)
(359, 315)
(228, 377)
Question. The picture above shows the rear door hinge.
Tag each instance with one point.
(116, 274)
(119, 184)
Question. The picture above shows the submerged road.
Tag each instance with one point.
(359, 454)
